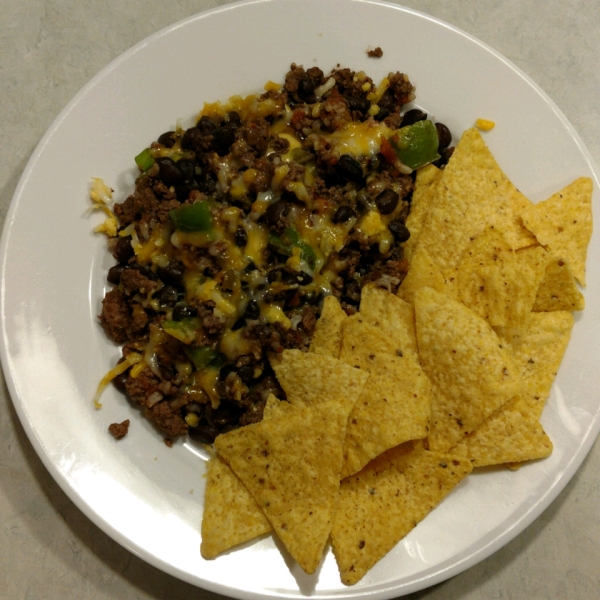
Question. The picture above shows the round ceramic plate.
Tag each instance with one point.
(149, 497)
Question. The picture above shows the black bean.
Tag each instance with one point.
(399, 231)
(306, 86)
(343, 213)
(171, 274)
(274, 275)
(276, 212)
(238, 324)
(206, 125)
(252, 310)
(444, 136)
(204, 434)
(225, 371)
(225, 414)
(183, 190)
(207, 185)
(349, 168)
(223, 137)
(387, 201)
(383, 114)
(167, 139)
(187, 168)
(410, 117)
(357, 103)
(145, 271)
(352, 291)
(233, 119)
(123, 250)
(241, 237)
(192, 139)
(387, 101)
(114, 274)
(303, 278)
(446, 153)
(246, 373)
(183, 311)
(167, 296)
(169, 171)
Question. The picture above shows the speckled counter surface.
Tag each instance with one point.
(48, 50)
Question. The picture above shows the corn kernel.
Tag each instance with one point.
(485, 124)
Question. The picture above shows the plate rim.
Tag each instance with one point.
(67, 487)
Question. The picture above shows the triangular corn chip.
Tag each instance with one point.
(291, 465)
(362, 340)
(394, 407)
(309, 379)
(558, 290)
(382, 503)
(471, 372)
(231, 515)
(497, 283)
(423, 272)
(473, 193)
(392, 315)
(538, 354)
(426, 183)
(563, 222)
(327, 338)
(512, 434)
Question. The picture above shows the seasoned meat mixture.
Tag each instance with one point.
(239, 227)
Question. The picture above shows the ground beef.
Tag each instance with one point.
(377, 53)
(116, 316)
(119, 430)
(169, 421)
(140, 388)
(256, 134)
(229, 161)
(133, 281)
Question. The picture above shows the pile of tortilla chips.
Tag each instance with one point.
(395, 405)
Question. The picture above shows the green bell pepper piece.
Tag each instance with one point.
(201, 356)
(195, 217)
(184, 330)
(416, 145)
(290, 239)
(143, 160)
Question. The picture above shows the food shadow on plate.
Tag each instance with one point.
(306, 583)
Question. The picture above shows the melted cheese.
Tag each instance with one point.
(359, 139)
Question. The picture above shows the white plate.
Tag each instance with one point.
(149, 497)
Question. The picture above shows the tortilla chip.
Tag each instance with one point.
(474, 193)
(424, 192)
(276, 408)
(423, 272)
(393, 316)
(563, 223)
(291, 465)
(382, 503)
(558, 290)
(497, 283)
(231, 515)
(394, 407)
(309, 379)
(327, 338)
(361, 340)
(512, 434)
(471, 372)
(539, 353)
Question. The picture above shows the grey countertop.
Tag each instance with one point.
(48, 50)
